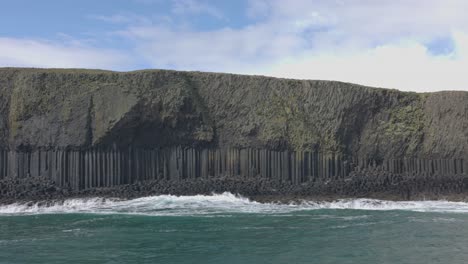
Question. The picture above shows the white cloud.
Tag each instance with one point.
(258, 8)
(190, 7)
(221, 50)
(379, 43)
(406, 66)
(347, 24)
(38, 53)
(122, 19)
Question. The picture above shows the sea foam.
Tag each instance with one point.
(217, 204)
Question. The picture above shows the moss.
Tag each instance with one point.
(54, 94)
(406, 122)
(288, 121)
(244, 111)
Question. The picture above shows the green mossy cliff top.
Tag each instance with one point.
(74, 108)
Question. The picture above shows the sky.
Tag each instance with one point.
(412, 45)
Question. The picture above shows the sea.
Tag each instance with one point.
(226, 228)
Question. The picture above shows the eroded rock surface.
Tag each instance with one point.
(70, 125)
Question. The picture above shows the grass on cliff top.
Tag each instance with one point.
(344, 85)
(110, 72)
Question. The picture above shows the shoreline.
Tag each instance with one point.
(277, 200)
(37, 190)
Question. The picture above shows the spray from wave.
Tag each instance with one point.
(217, 204)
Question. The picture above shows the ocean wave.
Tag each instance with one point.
(217, 204)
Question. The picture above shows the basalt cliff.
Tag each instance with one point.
(90, 132)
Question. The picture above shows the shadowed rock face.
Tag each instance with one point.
(81, 111)
(43, 108)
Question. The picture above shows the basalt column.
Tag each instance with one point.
(93, 168)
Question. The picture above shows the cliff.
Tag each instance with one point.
(170, 124)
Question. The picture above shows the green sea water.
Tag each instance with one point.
(228, 229)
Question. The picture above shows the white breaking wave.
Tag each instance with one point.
(216, 204)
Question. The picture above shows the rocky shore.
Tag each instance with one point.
(366, 185)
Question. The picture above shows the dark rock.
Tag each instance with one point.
(67, 133)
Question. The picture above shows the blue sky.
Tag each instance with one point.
(408, 45)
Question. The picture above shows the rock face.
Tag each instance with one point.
(89, 128)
